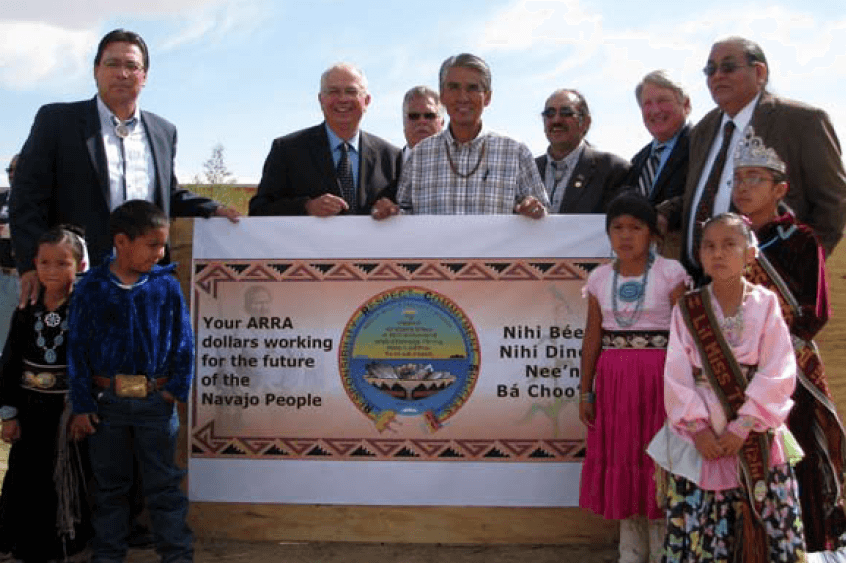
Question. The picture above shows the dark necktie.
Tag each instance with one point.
(345, 178)
(647, 175)
(709, 193)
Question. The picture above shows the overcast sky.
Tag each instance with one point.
(242, 72)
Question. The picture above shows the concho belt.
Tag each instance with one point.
(635, 339)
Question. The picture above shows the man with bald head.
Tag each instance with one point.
(577, 177)
(737, 74)
(333, 167)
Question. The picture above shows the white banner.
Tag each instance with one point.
(414, 361)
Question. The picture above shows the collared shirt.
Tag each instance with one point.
(555, 189)
(488, 175)
(134, 151)
(669, 145)
(335, 148)
(113, 328)
(723, 198)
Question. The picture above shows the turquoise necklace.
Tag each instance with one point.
(630, 292)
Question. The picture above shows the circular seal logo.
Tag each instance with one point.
(409, 351)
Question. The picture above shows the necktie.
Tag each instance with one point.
(709, 193)
(345, 178)
(647, 175)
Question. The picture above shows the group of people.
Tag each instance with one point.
(703, 381)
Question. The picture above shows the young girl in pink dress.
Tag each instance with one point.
(622, 403)
(729, 376)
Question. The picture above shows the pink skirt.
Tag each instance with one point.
(617, 475)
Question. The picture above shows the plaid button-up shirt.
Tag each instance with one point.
(487, 175)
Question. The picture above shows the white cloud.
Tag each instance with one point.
(90, 13)
(531, 24)
(31, 52)
(43, 39)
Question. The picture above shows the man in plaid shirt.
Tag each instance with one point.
(466, 169)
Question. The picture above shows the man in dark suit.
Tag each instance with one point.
(802, 135)
(333, 167)
(577, 177)
(659, 170)
(83, 159)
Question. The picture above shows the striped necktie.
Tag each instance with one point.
(647, 175)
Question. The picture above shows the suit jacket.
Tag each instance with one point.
(300, 167)
(595, 181)
(805, 140)
(62, 177)
(670, 183)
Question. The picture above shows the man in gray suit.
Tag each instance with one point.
(737, 75)
(83, 159)
(577, 177)
(333, 167)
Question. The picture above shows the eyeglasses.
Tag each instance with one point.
(130, 66)
(550, 112)
(428, 116)
(751, 180)
(726, 67)
(350, 91)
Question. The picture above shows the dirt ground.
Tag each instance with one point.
(213, 551)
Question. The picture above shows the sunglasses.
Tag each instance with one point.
(550, 112)
(726, 67)
(428, 116)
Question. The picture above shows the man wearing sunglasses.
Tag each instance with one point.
(422, 116)
(577, 177)
(803, 136)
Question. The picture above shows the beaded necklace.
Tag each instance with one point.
(630, 292)
(52, 319)
(453, 166)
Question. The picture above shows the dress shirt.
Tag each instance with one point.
(498, 172)
(555, 189)
(335, 148)
(140, 172)
(669, 145)
(723, 198)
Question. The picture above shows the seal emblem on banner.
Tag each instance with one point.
(409, 351)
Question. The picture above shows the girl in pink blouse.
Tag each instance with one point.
(716, 505)
(622, 405)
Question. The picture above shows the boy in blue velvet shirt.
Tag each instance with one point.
(130, 357)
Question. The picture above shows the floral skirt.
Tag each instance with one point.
(701, 524)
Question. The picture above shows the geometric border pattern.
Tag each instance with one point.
(206, 443)
(209, 274)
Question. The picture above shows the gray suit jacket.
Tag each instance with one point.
(62, 177)
(595, 181)
(299, 167)
(804, 138)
